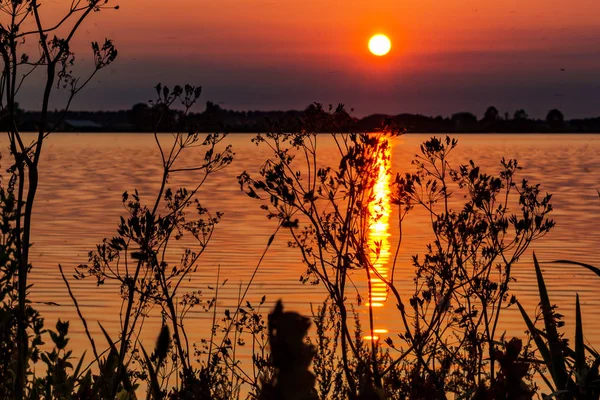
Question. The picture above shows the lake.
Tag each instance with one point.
(83, 177)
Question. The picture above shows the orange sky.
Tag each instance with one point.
(447, 55)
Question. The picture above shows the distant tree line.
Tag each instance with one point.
(143, 117)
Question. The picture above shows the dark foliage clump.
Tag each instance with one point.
(291, 357)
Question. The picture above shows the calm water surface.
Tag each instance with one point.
(79, 203)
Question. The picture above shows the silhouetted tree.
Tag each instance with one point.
(491, 120)
(491, 114)
(164, 118)
(521, 122)
(5, 121)
(555, 119)
(464, 122)
(520, 115)
(141, 117)
(212, 116)
(215, 118)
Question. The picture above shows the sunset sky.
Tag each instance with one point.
(447, 55)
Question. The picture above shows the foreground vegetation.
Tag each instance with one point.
(450, 345)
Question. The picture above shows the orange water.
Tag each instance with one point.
(79, 203)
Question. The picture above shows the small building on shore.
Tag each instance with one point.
(80, 125)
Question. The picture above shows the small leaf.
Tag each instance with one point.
(271, 240)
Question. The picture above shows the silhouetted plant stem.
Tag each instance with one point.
(183, 355)
(375, 366)
(144, 238)
(339, 234)
(21, 312)
(344, 342)
(242, 299)
(55, 57)
(125, 330)
(79, 313)
(458, 293)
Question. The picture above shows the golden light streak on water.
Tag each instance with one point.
(379, 235)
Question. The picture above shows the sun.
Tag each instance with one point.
(380, 45)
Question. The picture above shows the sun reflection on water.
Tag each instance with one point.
(379, 235)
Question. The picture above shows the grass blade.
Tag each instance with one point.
(569, 352)
(154, 385)
(108, 339)
(580, 364)
(127, 385)
(539, 341)
(557, 366)
(79, 364)
(588, 266)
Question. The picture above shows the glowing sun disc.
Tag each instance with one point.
(380, 45)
